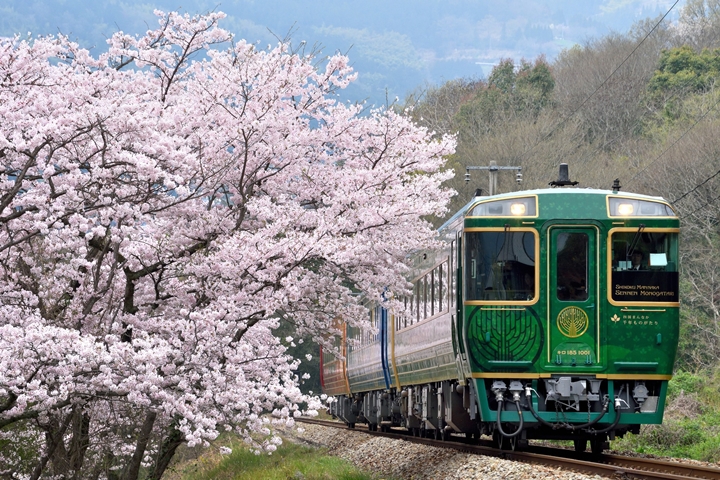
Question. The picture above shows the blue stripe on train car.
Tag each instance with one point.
(384, 345)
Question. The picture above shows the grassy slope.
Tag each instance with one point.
(290, 461)
(691, 425)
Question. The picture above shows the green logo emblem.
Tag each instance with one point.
(572, 322)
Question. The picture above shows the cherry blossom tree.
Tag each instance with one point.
(162, 207)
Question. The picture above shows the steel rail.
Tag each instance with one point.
(604, 464)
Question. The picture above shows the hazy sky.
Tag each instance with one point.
(395, 45)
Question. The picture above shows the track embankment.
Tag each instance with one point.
(400, 456)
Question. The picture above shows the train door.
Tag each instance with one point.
(573, 284)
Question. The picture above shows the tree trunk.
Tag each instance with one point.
(133, 468)
(80, 439)
(54, 440)
(167, 451)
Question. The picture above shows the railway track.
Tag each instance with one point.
(611, 466)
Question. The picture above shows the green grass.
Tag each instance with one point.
(291, 461)
(691, 424)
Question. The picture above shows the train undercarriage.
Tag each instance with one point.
(583, 409)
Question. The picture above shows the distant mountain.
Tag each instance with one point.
(396, 46)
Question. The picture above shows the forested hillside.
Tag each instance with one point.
(640, 106)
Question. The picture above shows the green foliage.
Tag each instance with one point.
(682, 72)
(695, 438)
(685, 382)
(691, 427)
(290, 461)
(536, 83)
(301, 348)
(19, 447)
(503, 76)
(682, 68)
(689, 356)
(510, 93)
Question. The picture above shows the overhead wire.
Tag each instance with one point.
(607, 143)
(702, 117)
(572, 114)
(696, 187)
(703, 206)
(673, 144)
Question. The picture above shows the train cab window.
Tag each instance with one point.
(500, 265)
(643, 265)
(572, 266)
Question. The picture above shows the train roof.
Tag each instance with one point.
(571, 191)
(543, 192)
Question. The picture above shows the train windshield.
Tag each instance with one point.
(500, 265)
(643, 265)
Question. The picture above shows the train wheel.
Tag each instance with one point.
(597, 445)
(351, 424)
(502, 442)
(580, 445)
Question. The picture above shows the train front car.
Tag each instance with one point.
(570, 313)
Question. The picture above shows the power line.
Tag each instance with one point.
(619, 136)
(696, 187)
(603, 83)
(703, 205)
(677, 140)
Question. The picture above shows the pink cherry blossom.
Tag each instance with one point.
(162, 207)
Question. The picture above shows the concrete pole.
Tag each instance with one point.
(492, 171)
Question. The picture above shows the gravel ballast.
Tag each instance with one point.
(405, 460)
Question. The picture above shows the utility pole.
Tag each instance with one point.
(492, 172)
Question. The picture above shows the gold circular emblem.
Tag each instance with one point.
(572, 322)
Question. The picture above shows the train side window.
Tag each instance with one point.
(406, 313)
(418, 300)
(572, 266)
(453, 256)
(432, 294)
(378, 323)
(440, 288)
(428, 295)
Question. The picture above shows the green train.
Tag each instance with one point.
(549, 314)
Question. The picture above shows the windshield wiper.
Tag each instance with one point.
(631, 248)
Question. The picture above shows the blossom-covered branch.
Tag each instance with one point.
(161, 207)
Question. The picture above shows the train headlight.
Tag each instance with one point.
(517, 209)
(625, 209)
